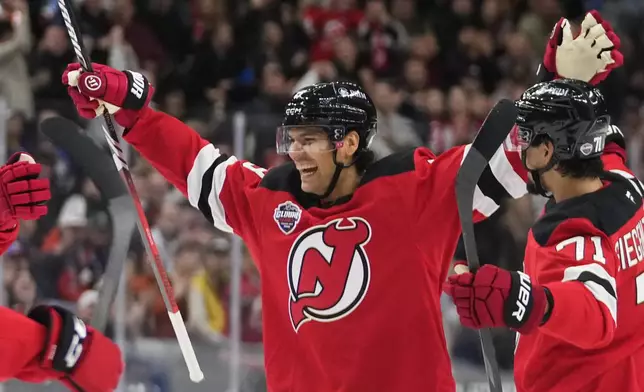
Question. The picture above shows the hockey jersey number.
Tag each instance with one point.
(580, 245)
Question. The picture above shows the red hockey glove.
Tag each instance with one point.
(22, 193)
(590, 56)
(79, 356)
(494, 297)
(122, 93)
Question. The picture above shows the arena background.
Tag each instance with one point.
(433, 67)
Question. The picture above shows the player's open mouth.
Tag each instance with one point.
(309, 171)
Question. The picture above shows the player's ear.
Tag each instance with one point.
(350, 146)
(548, 149)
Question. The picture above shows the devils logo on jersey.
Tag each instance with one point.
(328, 271)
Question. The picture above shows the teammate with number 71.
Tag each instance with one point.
(579, 305)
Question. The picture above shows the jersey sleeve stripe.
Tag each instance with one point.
(491, 186)
(205, 181)
(498, 182)
(598, 281)
(206, 188)
(483, 204)
(507, 175)
(637, 184)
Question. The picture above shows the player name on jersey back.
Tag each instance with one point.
(630, 246)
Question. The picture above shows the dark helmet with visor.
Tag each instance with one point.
(335, 108)
(570, 113)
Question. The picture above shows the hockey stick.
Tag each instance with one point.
(96, 164)
(160, 273)
(490, 137)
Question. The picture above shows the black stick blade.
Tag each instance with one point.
(97, 165)
(495, 128)
(86, 154)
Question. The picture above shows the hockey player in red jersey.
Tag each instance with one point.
(352, 253)
(578, 306)
(50, 343)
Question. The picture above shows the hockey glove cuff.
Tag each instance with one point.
(494, 297)
(589, 57)
(122, 93)
(81, 357)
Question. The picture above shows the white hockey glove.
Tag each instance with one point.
(590, 56)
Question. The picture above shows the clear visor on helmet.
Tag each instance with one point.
(307, 138)
(519, 138)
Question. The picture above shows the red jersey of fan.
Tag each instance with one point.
(588, 252)
(326, 25)
(350, 291)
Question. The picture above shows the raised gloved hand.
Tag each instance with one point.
(76, 354)
(494, 297)
(590, 56)
(122, 93)
(22, 193)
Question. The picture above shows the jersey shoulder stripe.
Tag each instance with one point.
(607, 209)
(391, 165)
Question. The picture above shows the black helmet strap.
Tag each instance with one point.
(336, 174)
(536, 187)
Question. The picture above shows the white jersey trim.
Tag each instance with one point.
(600, 293)
(202, 163)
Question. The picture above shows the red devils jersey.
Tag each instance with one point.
(588, 252)
(350, 292)
(21, 339)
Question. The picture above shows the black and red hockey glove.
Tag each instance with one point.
(22, 194)
(76, 354)
(494, 297)
(123, 93)
(590, 56)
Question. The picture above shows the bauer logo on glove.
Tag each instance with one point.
(493, 297)
(122, 93)
(523, 297)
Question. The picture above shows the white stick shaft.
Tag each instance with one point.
(196, 375)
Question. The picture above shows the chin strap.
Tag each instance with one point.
(336, 174)
(536, 187)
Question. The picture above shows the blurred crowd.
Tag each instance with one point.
(433, 67)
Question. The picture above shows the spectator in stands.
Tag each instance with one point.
(251, 308)
(327, 22)
(85, 305)
(215, 51)
(395, 132)
(80, 265)
(22, 296)
(165, 231)
(19, 284)
(95, 25)
(208, 297)
(18, 134)
(188, 261)
(140, 36)
(15, 45)
(265, 114)
(382, 38)
(46, 65)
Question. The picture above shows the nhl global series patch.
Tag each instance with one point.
(287, 215)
